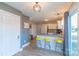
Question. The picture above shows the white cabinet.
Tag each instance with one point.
(52, 26)
(60, 24)
(44, 27)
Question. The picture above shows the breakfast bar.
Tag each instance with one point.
(50, 43)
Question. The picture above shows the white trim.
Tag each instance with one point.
(25, 44)
(22, 47)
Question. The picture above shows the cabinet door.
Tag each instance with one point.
(52, 26)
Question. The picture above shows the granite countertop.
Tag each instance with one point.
(53, 35)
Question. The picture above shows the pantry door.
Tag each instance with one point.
(11, 33)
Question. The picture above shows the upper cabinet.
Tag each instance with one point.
(52, 26)
(60, 24)
(46, 27)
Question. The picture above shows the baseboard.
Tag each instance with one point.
(25, 44)
(22, 48)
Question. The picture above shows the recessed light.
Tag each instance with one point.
(46, 19)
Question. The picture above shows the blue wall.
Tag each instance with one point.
(25, 34)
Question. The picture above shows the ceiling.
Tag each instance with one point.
(48, 11)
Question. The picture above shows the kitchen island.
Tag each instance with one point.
(52, 42)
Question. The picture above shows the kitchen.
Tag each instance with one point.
(34, 26)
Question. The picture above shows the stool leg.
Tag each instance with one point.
(49, 46)
(45, 45)
(40, 43)
(55, 47)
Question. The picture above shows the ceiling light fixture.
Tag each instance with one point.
(37, 7)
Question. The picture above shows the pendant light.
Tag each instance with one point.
(37, 7)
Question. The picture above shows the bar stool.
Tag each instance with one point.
(47, 41)
(59, 44)
(38, 40)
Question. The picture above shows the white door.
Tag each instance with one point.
(11, 33)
